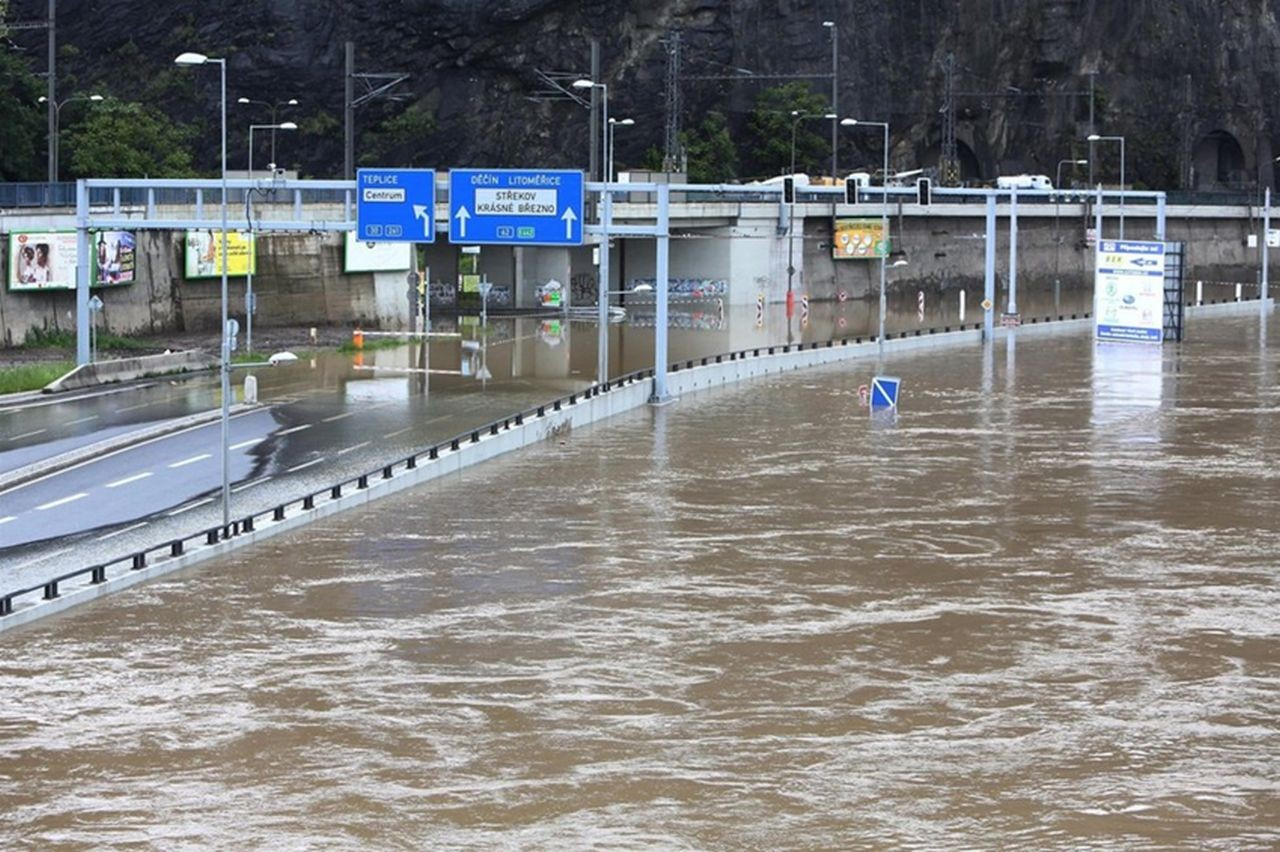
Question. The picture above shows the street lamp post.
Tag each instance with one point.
(249, 307)
(1093, 137)
(1057, 183)
(606, 205)
(274, 107)
(613, 123)
(835, 88)
(224, 328)
(54, 147)
(884, 213)
(796, 118)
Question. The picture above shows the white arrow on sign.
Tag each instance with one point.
(462, 216)
(569, 218)
(420, 212)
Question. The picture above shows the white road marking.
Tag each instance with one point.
(40, 559)
(294, 429)
(81, 420)
(398, 432)
(7, 519)
(299, 467)
(243, 444)
(342, 416)
(192, 460)
(27, 435)
(123, 531)
(249, 484)
(62, 501)
(140, 405)
(128, 479)
(352, 448)
(190, 506)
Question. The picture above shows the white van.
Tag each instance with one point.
(1024, 182)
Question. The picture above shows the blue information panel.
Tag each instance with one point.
(395, 205)
(515, 207)
(1128, 291)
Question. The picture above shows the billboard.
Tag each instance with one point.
(376, 257)
(859, 239)
(42, 260)
(1129, 291)
(115, 258)
(203, 254)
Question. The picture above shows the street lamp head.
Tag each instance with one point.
(243, 101)
(292, 102)
(286, 125)
(848, 122)
(829, 23)
(1081, 162)
(42, 99)
(1093, 137)
(830, 116)
(585, 84)
(190, 58)
(627, 122)
(95, 97)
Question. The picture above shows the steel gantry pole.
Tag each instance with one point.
(989, 271)
(835, 86)
(660, 291)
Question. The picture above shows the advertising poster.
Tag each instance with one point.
(203, 254)
(42, 260)
(1129, 291)
(376, 257)
(859, 239)
(115, 258)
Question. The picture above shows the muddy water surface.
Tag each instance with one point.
(1037, 610)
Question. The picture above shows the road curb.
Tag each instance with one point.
(45, 467)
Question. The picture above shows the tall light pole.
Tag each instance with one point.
(796, 118)
(249, 307)
(54, 152)
(606, 205)
(1093, 137)
(613, 123)
(835, 87)
(884, 213)
(224, 328)
(274, 107)
(1057, 182)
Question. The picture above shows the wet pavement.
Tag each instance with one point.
(1036, 610)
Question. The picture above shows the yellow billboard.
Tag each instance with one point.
(859, 239)
(203, 254)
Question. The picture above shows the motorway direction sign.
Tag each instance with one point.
(1129, 291)
(515, 207)
(395, 205)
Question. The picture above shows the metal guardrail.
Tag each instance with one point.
(139, 560)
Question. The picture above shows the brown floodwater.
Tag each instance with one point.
(1038, 609)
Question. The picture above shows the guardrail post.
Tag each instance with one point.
(6, 606)
(98, 574)
(335, 492)
(278, 513)
(386, 472)
(363, 482)
(51, 590)
(139, 562)
(211, 537)
(309, 502)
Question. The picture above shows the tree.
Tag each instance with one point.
(712, 155)
(127, 140)
(21, 119)
(770, 125)
(400, 140)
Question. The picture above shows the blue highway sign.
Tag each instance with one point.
(884, 392)
(515, 207)
(395, 205)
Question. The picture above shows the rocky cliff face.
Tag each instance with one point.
(1189, 83)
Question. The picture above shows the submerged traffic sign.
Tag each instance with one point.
(395, 205)
(884, 393)
(515, 207)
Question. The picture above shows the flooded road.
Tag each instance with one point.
(1038, 610)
